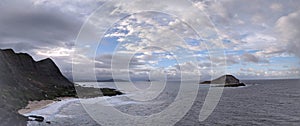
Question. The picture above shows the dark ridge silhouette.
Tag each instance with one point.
(22, 80)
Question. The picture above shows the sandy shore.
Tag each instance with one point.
(36, 105)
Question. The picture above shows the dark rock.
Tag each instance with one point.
(234, 85)
(205, 82)
(48, 122)
(226, 80)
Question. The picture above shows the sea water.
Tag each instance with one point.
(268, 102)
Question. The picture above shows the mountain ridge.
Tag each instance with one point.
(23, 79)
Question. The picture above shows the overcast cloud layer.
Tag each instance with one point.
(261, 37)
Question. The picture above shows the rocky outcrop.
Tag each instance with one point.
(90, 92)
(226, 80)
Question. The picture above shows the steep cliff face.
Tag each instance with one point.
(22, 79)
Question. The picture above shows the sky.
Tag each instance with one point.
(258, 39)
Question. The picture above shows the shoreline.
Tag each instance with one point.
(37, 105)
(89, 92)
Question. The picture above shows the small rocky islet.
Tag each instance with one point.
(226, 81)
(22, 79)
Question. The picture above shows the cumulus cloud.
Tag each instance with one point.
(289, 26)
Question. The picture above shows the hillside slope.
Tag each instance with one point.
(22, 79)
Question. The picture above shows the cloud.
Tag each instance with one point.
(269, 73)
(252, 58)
(55, 52)
(152, 29)
(276, 7)
(248, 24)
(37, 26)
(75, 7)
(288, 27)
(44, 28)
(48, 28)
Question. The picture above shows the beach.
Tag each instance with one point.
(38, 105)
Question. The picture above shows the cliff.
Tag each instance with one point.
(227, 80)
(22, 79)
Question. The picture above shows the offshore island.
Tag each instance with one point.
(226, 81)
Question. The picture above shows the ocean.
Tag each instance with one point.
(261, 102)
